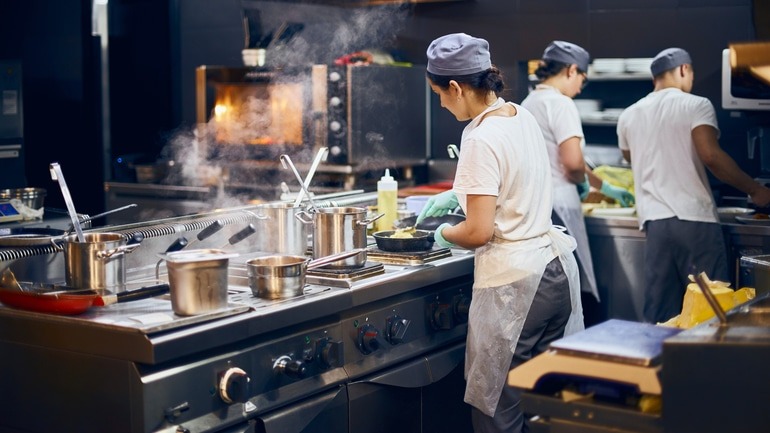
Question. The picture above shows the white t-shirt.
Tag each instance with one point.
(559, 120)
(669, 178)
(506, 157)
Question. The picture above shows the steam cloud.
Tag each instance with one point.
(328, 33)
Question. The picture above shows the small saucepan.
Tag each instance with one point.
(419, 240)
(283, 276)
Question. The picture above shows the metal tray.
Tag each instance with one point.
(28, 236)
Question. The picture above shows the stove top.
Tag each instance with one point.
(336, 277)
(412, 258)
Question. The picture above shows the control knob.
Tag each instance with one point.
(462, 305)
(367, 339)
(441, 316)
(396, 330)
(328, 352)
(335, 101)
(290, 367)
(334, 76)
(234, 386)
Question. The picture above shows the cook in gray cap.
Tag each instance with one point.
(567, 53)
(668, 59)
(458, 54)
(671, 138)
(503, 163)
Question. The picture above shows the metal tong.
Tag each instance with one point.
(56, 174)
(320, 156)
(286, 162)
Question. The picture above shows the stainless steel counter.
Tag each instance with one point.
(617, 249)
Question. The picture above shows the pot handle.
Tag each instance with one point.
(323, 261)
(123, 249)
(304, 217)
(256, 215)
(58, 243)
(366, 222)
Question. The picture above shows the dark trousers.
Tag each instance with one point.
(675, 249)
(545, 323)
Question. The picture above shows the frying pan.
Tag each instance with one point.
(52, 299)
(421, 240)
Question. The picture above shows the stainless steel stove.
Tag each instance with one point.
(310, 363)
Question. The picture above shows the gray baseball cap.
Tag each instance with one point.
(568, 53)
(669, 59)
(458, 54)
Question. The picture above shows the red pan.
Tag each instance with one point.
(71, 302)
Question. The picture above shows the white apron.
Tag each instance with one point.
(566, 204)
(506, 277)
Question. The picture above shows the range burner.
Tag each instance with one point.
(342, 277)
(412, 258)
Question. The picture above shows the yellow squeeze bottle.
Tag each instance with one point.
(387, 201)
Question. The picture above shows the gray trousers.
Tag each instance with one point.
(674, 249)
(545, 323)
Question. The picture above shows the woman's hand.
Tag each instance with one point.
(439, 205)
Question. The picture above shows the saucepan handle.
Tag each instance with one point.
(304, 217)
(366, 222)
(323, 261)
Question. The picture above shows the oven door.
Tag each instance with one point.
(424, 394)
(324, 413)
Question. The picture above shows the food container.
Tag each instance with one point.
(96, 263)
(197, 280)
(33, 198)
(415, 203)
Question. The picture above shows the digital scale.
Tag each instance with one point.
(9, 213)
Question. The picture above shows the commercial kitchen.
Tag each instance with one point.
(135, 161)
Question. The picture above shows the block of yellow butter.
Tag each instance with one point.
(696, 309)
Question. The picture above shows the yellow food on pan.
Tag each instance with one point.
(401, 234)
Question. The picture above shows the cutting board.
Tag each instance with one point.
(618, 341)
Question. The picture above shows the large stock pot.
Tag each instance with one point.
(339, 229)
(280, 229)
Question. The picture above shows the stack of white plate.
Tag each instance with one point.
(638, 65)
(608, 66)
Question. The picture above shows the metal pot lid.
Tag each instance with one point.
(28, 236)
(196, 255)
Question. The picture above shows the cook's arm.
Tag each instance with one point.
(626, 155)
(724, 167)
(479, 224)
(571, 158)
